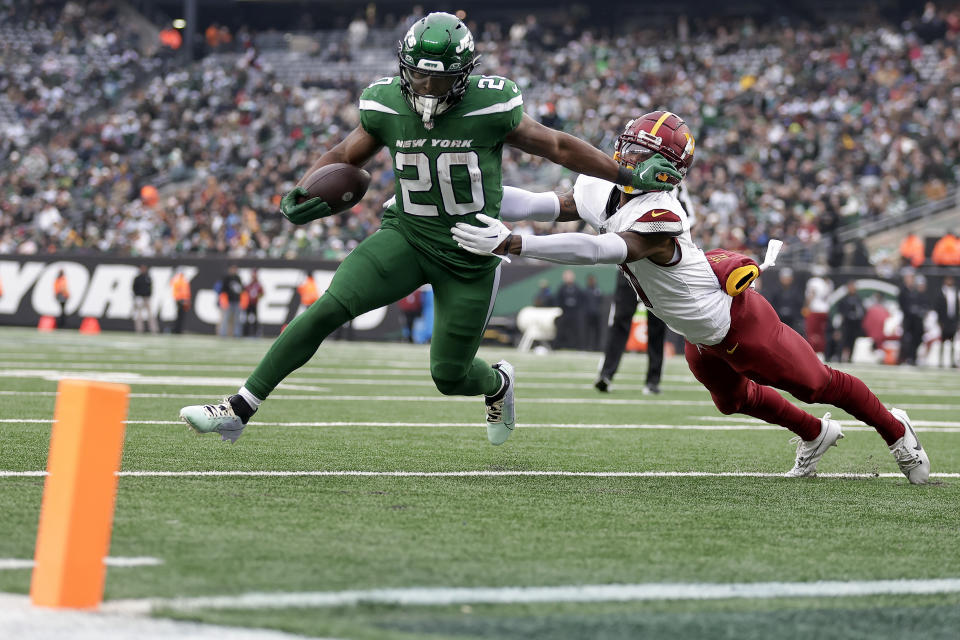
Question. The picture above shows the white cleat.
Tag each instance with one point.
(810, 452)
(209, 418)
(501, 416)
(908, 453)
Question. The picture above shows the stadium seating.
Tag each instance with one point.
(799, 132)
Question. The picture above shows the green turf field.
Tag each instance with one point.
(639, 490)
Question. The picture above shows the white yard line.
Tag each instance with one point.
(143, 561)
(471, 474)
(423, 596)
(758, 426)
(915, 423)
(467, 399)
(19, 619)
(132, 378)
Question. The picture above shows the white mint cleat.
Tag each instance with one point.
(209, 418)
(810, 452)
(908, 453)
(501, 416)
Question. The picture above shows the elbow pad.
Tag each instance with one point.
(575, 248)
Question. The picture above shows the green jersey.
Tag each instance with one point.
(449, 172)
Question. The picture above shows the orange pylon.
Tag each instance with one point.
(78, 497)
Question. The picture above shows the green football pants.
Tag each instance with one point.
(383, 269)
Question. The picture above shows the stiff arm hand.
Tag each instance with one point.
(653, 174)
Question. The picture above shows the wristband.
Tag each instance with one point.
(624, 176)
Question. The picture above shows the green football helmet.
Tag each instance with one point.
(436, 58)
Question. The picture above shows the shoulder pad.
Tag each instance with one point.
(491, 94)
(381, 95)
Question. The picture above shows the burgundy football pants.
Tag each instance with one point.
(760, 352)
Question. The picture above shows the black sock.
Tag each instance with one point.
(240, 407)
(503, 387)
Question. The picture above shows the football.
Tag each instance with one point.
(340, 185)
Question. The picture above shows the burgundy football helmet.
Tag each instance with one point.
(656, 132)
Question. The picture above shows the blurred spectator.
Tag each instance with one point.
(874, 322)
(180, 287)
(142, 295)
(217, 36)
(860, 255)
(569, 298)
(230, 288)
(592, 308)
(544, 297)
(946, 252)
(357, 32)
(911, 250)
(851, 312)
(788, 300)
(149, 195)
(61, 292)
(171, 38)
(947, 306)
(410, 308)
(308, 292)
(914, 307)
(816, 308)
(253, 291)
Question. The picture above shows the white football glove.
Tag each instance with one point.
(481, 240)
(773, 250)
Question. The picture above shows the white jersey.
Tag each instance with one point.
(685, 293)
(818, 292)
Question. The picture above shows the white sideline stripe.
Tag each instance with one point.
(110, 561)
(760, 426)
(441, 596)
(473, 474)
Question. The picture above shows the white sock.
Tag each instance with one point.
(251, 399)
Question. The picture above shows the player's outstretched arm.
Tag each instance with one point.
(582, 157)
(494, 238)
(520, 204)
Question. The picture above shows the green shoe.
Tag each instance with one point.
(209, 418)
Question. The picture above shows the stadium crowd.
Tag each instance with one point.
(61, 60)
(800, 130)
